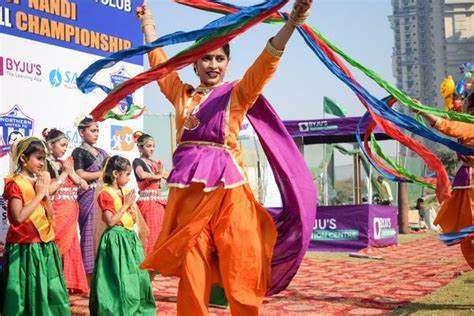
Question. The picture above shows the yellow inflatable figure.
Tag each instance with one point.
(447, 91)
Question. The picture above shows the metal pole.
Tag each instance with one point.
(403, 226)
(357, 195)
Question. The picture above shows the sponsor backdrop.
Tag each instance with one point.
(354, 227)
(45, 45)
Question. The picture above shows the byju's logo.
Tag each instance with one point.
(63, 78)
(383, 228)
(20, 69)
(305, 127)
(55, 77)
(326, 229)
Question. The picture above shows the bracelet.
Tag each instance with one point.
(60, 182)
(297, 20)
(147, 19)
(272, 50)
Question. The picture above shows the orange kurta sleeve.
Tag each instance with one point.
(462, 131)
(171, 85)
(247, 90)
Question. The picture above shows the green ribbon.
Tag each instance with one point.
(133, 112)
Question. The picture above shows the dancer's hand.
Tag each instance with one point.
(142, 9)
(69, 165)
(129, 199)
(147, 22)
(302, 6)
(41, 186)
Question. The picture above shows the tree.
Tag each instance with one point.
(449, 160)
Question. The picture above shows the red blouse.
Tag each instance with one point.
(106, 203)
(24, 233)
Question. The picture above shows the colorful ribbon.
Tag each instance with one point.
(454, 238)
(238, 20)
(213, 36)
(133, 112)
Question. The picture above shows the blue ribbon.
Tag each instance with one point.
(456, 237)
(379, 107)
(86, 85)
(364, 121)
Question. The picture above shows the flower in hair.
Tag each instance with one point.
(137, 135)
(80, 118)
(45, 132)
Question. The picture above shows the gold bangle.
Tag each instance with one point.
(297, 20)
(147, 19)
(272, 50)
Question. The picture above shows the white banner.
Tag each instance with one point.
(38, 77)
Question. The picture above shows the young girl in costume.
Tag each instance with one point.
(457, 212)
(119, 286)
(32, 282)
(87, 162)
(214, 230)
(149, 173)
(63, 188)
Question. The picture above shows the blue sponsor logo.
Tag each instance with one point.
(117, 78)
(14, 124)
(55, 77)
(73, 138)
(63, 78)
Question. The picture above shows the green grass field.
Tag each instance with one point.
(457, 298)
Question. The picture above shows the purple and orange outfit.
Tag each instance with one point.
(457, 213)
(214, 230)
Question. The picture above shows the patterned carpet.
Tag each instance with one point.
(352, 287)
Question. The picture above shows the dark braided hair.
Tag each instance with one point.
(113, 163)
(85, 123)
(53, 135)
(142, 139)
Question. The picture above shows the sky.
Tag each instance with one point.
(359, 27)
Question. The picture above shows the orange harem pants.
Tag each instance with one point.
(457, 213)
(223, 236)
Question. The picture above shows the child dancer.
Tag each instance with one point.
(149, 173)
(63, 188)
(32, 282)
(87, 162)
(118, 286)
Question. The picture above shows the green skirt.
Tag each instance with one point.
(217, 297)
(119, 286)
(32, 282)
